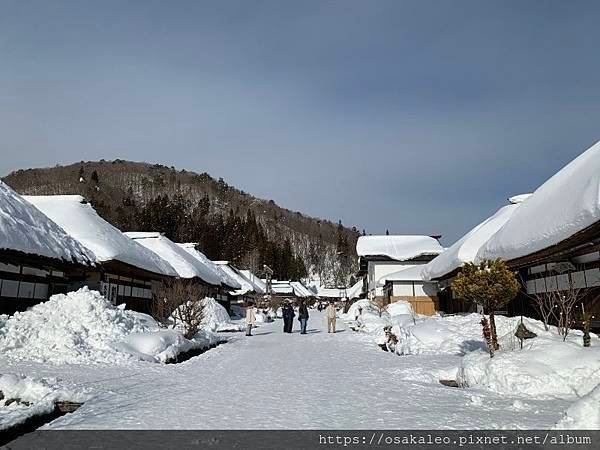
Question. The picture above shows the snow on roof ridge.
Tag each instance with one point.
(398, 247)
(568, 202)
(24, 228)
(81, 221)
(410, 273)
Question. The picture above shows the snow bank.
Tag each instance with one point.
(83, 327)
(39, 395)
(546, 366)
(584, 414)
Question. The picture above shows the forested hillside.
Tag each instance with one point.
(226, 222)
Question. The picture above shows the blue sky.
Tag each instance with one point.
(412, 116)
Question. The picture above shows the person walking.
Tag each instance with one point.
(288, 317)
(303, 317)
(330, 313)
(250, 318)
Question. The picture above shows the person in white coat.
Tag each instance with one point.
(250, 318)
(330, 313)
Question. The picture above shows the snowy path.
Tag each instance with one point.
(273, 380)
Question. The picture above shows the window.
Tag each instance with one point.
(10, 288)
(41, 291)
(26, 289)
(35, 272)
(9, 268)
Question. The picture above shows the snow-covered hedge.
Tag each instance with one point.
(84, 327)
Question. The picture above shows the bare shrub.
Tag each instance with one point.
(379, 304)
(179, 301)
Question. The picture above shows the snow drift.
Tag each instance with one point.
(584, 414)
(36, 397)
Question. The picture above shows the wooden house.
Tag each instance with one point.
(35, 254)
(408, 285)
(125, 269)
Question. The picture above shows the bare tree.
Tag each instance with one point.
(557, 303)
(179, 301)
(379, 304)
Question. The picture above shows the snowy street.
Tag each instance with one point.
(277, 381)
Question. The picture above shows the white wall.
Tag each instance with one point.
(378, 269)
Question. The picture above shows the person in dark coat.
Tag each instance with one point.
(303, 317)
(288, 317)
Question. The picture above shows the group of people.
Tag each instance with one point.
(288, 314)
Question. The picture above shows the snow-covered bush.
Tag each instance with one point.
(216, 317)
(547, 365)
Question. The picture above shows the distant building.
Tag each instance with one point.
(35, 254)
(249, 288)
(125, 269)
(383, 255)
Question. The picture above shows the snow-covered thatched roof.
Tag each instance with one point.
(226, 280)
(260, 286)
(245, 285)
(465, 249)
(351, 292)
(23, 228)
(184, 263)
(80, 221)
(567, 203)
(398, 247)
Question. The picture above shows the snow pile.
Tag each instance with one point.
(546, 366)
(584, 414)
(24, 228)
(35, 397)
(216, 317)
(369, 321)
(83, 327)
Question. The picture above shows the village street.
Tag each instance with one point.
(278, 381)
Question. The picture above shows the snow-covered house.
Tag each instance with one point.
(35, 252)
(444, 267)
(249, 288)
(554, 236)
(125, 269)
(382, 255)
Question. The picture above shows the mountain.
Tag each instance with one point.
(226, 222)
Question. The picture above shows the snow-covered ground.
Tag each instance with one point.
(288, 381)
